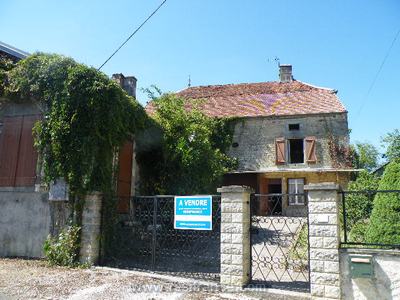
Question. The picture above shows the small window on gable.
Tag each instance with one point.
(294, 126)
(296, 151)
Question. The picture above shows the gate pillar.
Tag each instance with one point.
(235, 235)
(324, 240)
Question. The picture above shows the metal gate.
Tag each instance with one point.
(279, 241)
(147, 240)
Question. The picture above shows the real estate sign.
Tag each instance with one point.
(193, 212)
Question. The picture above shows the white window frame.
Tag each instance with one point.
(298, 189)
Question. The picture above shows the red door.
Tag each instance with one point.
(124, 177)
(9, 144)
(17, 155)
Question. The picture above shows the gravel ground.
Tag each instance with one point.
(34, 279)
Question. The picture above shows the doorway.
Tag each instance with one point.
(275, 196)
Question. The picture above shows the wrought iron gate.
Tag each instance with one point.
(147, 240)
(279, 241)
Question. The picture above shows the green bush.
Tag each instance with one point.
(385, 218)
(191, 157)
(358, 230)
(359, 206)
(62, 250)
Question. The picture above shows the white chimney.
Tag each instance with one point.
(285, 73)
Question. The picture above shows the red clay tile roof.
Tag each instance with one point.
(263, 99)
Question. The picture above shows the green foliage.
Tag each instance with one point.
(86, 117)
(298, 253)
(366, 156)
(385, 218)
(359, 206)
(63, 249)
(392, 143)
(6, 65)
(358, 230)
(191, 156)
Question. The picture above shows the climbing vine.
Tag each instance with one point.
(342, 156)
(190, 157)
(85, 118)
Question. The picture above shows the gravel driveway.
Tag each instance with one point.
(34, 279)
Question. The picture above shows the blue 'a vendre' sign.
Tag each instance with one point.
(193, 212)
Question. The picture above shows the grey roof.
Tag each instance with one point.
(13, 51)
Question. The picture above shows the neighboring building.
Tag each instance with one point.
(28, 211)
(18, 158)
(287, 134)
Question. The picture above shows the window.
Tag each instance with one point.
(294, 127)
(296, 191)
(296, 151)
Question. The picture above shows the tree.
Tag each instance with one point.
(392, 143)
(366, 156)
(359, 205)
(191, 157)
(384, 224)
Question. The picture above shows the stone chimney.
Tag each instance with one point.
(128, 83)
(285, 73)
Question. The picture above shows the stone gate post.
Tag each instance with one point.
(324, 240)
(235, 235)
(90, 233)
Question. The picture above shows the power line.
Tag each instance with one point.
(148, 18)
(377, 73)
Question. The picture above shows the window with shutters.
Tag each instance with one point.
(296, 191)
(296, 151)
(18, 156)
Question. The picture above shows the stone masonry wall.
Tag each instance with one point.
(324, 240)
(235, 235)
(256, 139)
(383, 284)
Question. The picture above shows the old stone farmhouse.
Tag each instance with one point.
(287, 134)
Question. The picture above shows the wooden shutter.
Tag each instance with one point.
(124, 177)
(27, 156)
(9, 143)
(280, 150)
(311, 156)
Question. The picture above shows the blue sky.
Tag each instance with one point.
(336, 44)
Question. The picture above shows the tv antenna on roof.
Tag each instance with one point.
(275, 59)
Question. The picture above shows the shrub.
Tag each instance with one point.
(359, 206)
(385, 218)
(62, 250)
(357, 232)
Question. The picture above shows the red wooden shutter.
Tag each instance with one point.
(124, 177)
(27, 156)
(311, 156)
(280, 151)
(9, 143)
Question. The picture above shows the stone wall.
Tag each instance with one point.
(24, 223)
(256, 139)
(323, 240)
(235, 235)
(385, 282)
